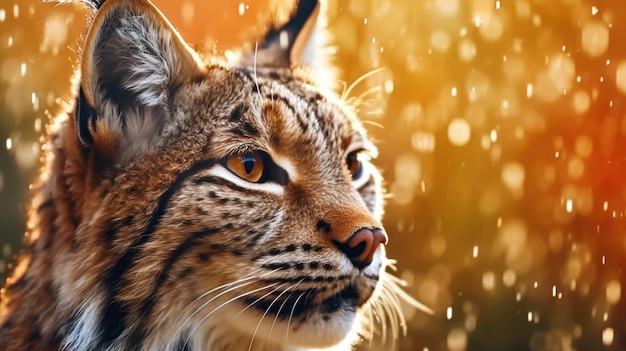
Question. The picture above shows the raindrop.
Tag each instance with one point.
(608, 335)
(493, 135)
(35, 101)
(569, 205)
(478, 19)
(529, 90)
(389, 86)
(423, 142)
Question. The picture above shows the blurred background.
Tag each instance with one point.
(501, 126)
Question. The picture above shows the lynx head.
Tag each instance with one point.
(222, 205)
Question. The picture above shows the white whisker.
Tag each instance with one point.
(281, 307)
(259, 299)
(265, 314)
(208, 302)
(397, 283)
(222, 305)
(381, 312)
(375, 124)
(358, 81)
(256, 80)
(361, 99)
(370, 315)
(240, 280)
(293, 308)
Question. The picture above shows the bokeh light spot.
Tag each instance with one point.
(457, 340)
(608, 336)
(513, 175)
(594, 38)
(459, 132)
(613, 292)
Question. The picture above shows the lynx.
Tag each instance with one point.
(190, 204)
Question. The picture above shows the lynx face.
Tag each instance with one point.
(193, 206)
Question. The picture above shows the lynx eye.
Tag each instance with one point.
(247, 166)
(355, 165)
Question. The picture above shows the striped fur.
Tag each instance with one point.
(140, 236)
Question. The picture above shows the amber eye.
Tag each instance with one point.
(355, 166)
(247, 166)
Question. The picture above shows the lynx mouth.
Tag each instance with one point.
(299, 303)
(346, 298)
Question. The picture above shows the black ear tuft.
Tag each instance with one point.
(283, 45)
(94, 4)
(133, 64)
(85, 118)
(283, 38)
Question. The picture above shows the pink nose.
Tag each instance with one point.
(361, 246)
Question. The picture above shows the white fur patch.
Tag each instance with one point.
(84, 331)
(285, 164)
(151, 60)
(269, 187)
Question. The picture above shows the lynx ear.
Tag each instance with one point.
(295, 43)
(133, 63)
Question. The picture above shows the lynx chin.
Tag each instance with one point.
(189, 203)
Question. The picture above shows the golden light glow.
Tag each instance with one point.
(501, 127)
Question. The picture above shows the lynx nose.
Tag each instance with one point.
(362, 245)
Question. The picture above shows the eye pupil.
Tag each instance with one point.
(354, 164)
(248, 164)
